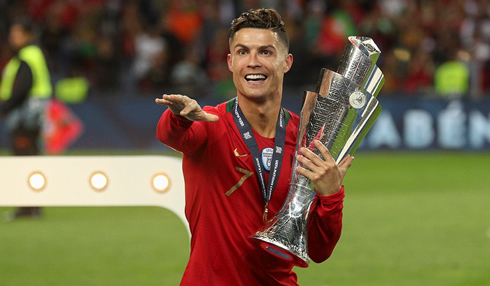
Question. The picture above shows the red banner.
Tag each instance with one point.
(61, 127)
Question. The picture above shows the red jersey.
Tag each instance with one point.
(224, 203)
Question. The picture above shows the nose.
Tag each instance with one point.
(254, 59)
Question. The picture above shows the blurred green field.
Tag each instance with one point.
(409, 219)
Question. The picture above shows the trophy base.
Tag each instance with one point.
(280, 251)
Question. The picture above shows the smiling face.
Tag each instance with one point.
(258, 62)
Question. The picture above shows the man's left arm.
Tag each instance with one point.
(325, 223)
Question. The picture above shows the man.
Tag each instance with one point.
(25, 90)
(227, 199)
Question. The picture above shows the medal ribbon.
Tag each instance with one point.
(276, 162)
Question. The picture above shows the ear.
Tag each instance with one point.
(289, 63)
(229, 60)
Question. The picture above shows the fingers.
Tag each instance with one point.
(175, 99)
(186, 107)
(314, 158)
(193, 111)
(211, 117)
(324, 151)
(190, 105)
(171, 99)
(346, 162)
(309, 159)
(162, 101)
(312, 163)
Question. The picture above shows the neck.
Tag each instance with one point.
(262, 116)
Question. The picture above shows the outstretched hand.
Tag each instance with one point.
(326, 175)
(186, 107)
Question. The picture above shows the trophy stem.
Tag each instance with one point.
(285, 235)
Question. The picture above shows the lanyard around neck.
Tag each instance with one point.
(249, 139)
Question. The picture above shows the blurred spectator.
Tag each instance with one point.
(53, 35)
(82, 45)
(217, 66)
(334, 30)
(149, 58)
(73, 89)
(157, 78)
(378, 25)
(25, 91)
(475, 38)
(107, 67)
(420, 72)
(130, 47)
(300, 73)
(175, 48)
(391, 71)
(188, 77)
(131, 26)
(451, 79)
(184, 20)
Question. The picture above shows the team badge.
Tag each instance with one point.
(267, 158)
(357, 99)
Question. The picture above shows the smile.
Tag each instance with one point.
(255, 77)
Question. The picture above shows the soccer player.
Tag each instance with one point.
(227, 198)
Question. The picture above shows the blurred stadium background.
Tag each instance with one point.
(417, 208)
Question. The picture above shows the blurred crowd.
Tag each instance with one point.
(138, 47)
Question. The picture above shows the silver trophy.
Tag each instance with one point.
(339, 114)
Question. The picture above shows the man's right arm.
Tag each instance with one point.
(180, 133)
(178, 128)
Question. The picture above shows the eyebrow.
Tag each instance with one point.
(260, 48)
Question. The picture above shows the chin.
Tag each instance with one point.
(254, 95)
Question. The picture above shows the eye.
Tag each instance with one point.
(242, 52)
(267, 52)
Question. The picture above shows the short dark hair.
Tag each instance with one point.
(261, 19)
(25, 23)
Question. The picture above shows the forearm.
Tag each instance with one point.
(325, 225)
(179, 133)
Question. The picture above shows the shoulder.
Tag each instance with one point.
(219, 109)
(223, 109)
(29, 51)
(31, 54)
(291, 118)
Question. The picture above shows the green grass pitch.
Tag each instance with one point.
(409, 219)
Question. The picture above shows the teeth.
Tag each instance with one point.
(255, 76)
